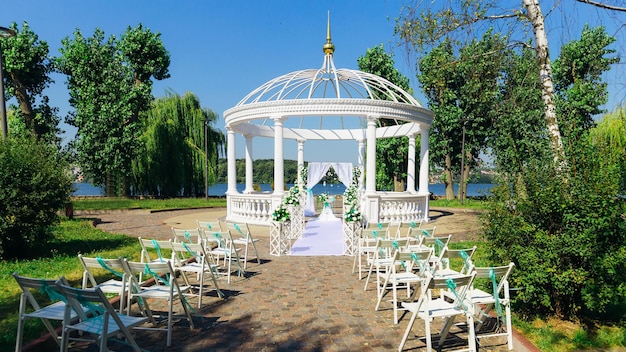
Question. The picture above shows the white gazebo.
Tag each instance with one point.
(329, 104)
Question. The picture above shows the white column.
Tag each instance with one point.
(361, 161)
(300, 158)
(249, 166)
(232, 161)
(279, 169)
(424, 161)
(370, 179)
(410, 169)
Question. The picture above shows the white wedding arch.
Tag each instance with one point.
(329, 104)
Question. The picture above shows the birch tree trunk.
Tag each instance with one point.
(535, 16)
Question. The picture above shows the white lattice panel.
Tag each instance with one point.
(351, 235)
(279, 243)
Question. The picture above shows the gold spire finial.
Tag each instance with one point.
(329, 48)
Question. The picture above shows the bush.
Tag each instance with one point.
(34, 185)
(567, 237)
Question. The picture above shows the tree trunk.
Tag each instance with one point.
(535, 16)
(449, 178)
(399, 184)
(24, 102)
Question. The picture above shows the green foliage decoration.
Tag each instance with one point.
(34, 185)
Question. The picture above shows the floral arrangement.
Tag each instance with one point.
(281, 213)
(353, 215)
(304, 175)
(351, 196)
(323, 197)
(293, 198)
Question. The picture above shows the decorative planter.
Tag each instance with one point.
(297, 221)
(280, 244)
(351, 232)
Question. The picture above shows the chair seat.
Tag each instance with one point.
(54, 311)
(94, 325)
(159, 291)
(112, 286)
(437, 308)
(401, 277)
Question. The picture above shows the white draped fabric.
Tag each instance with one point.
(316, 171)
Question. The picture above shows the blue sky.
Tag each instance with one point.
(222, 50)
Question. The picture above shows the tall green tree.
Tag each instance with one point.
(27, 72)
(518, 122)
(580, 91)
(110, 85)
(172, 158)
(462, 93)
(391, 153)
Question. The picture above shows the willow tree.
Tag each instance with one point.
(172, 158)
(110, 85)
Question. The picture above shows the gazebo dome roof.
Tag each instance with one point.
(328, 82)
(343, 97)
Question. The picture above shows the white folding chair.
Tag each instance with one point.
(205, 228)
(112, 273)
(97, 317)
(496, 297)
(165, 287)
(453, 305)
(230, 253)
(383, 258)
(191, 258)
(243, 237)
(402, 273)
(50, 306)
(367, 246)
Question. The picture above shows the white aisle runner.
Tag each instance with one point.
(320, 238)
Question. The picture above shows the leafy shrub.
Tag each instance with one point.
(34, 185)
(567, 237)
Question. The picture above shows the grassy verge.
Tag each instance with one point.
(111, 203)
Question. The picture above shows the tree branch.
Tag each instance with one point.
(603, 6)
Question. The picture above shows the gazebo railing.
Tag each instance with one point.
(253, 208)
(402, 207)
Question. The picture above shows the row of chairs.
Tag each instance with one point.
(89, 311)
(440, 282)
(165, 272)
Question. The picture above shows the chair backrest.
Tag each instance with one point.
(30, 285)
(498, 275)
(461, 257)
(186, 235)
(96, 265)
(184, 252)
(407, 229)
(437, 243)
(455, 287)
(162, 273)
(411, 259)
(86, 302)
(210, 226)
(161, 250)
(427, 232)
(238, 229)
(386, 248)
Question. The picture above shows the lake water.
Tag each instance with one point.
(438, 189)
